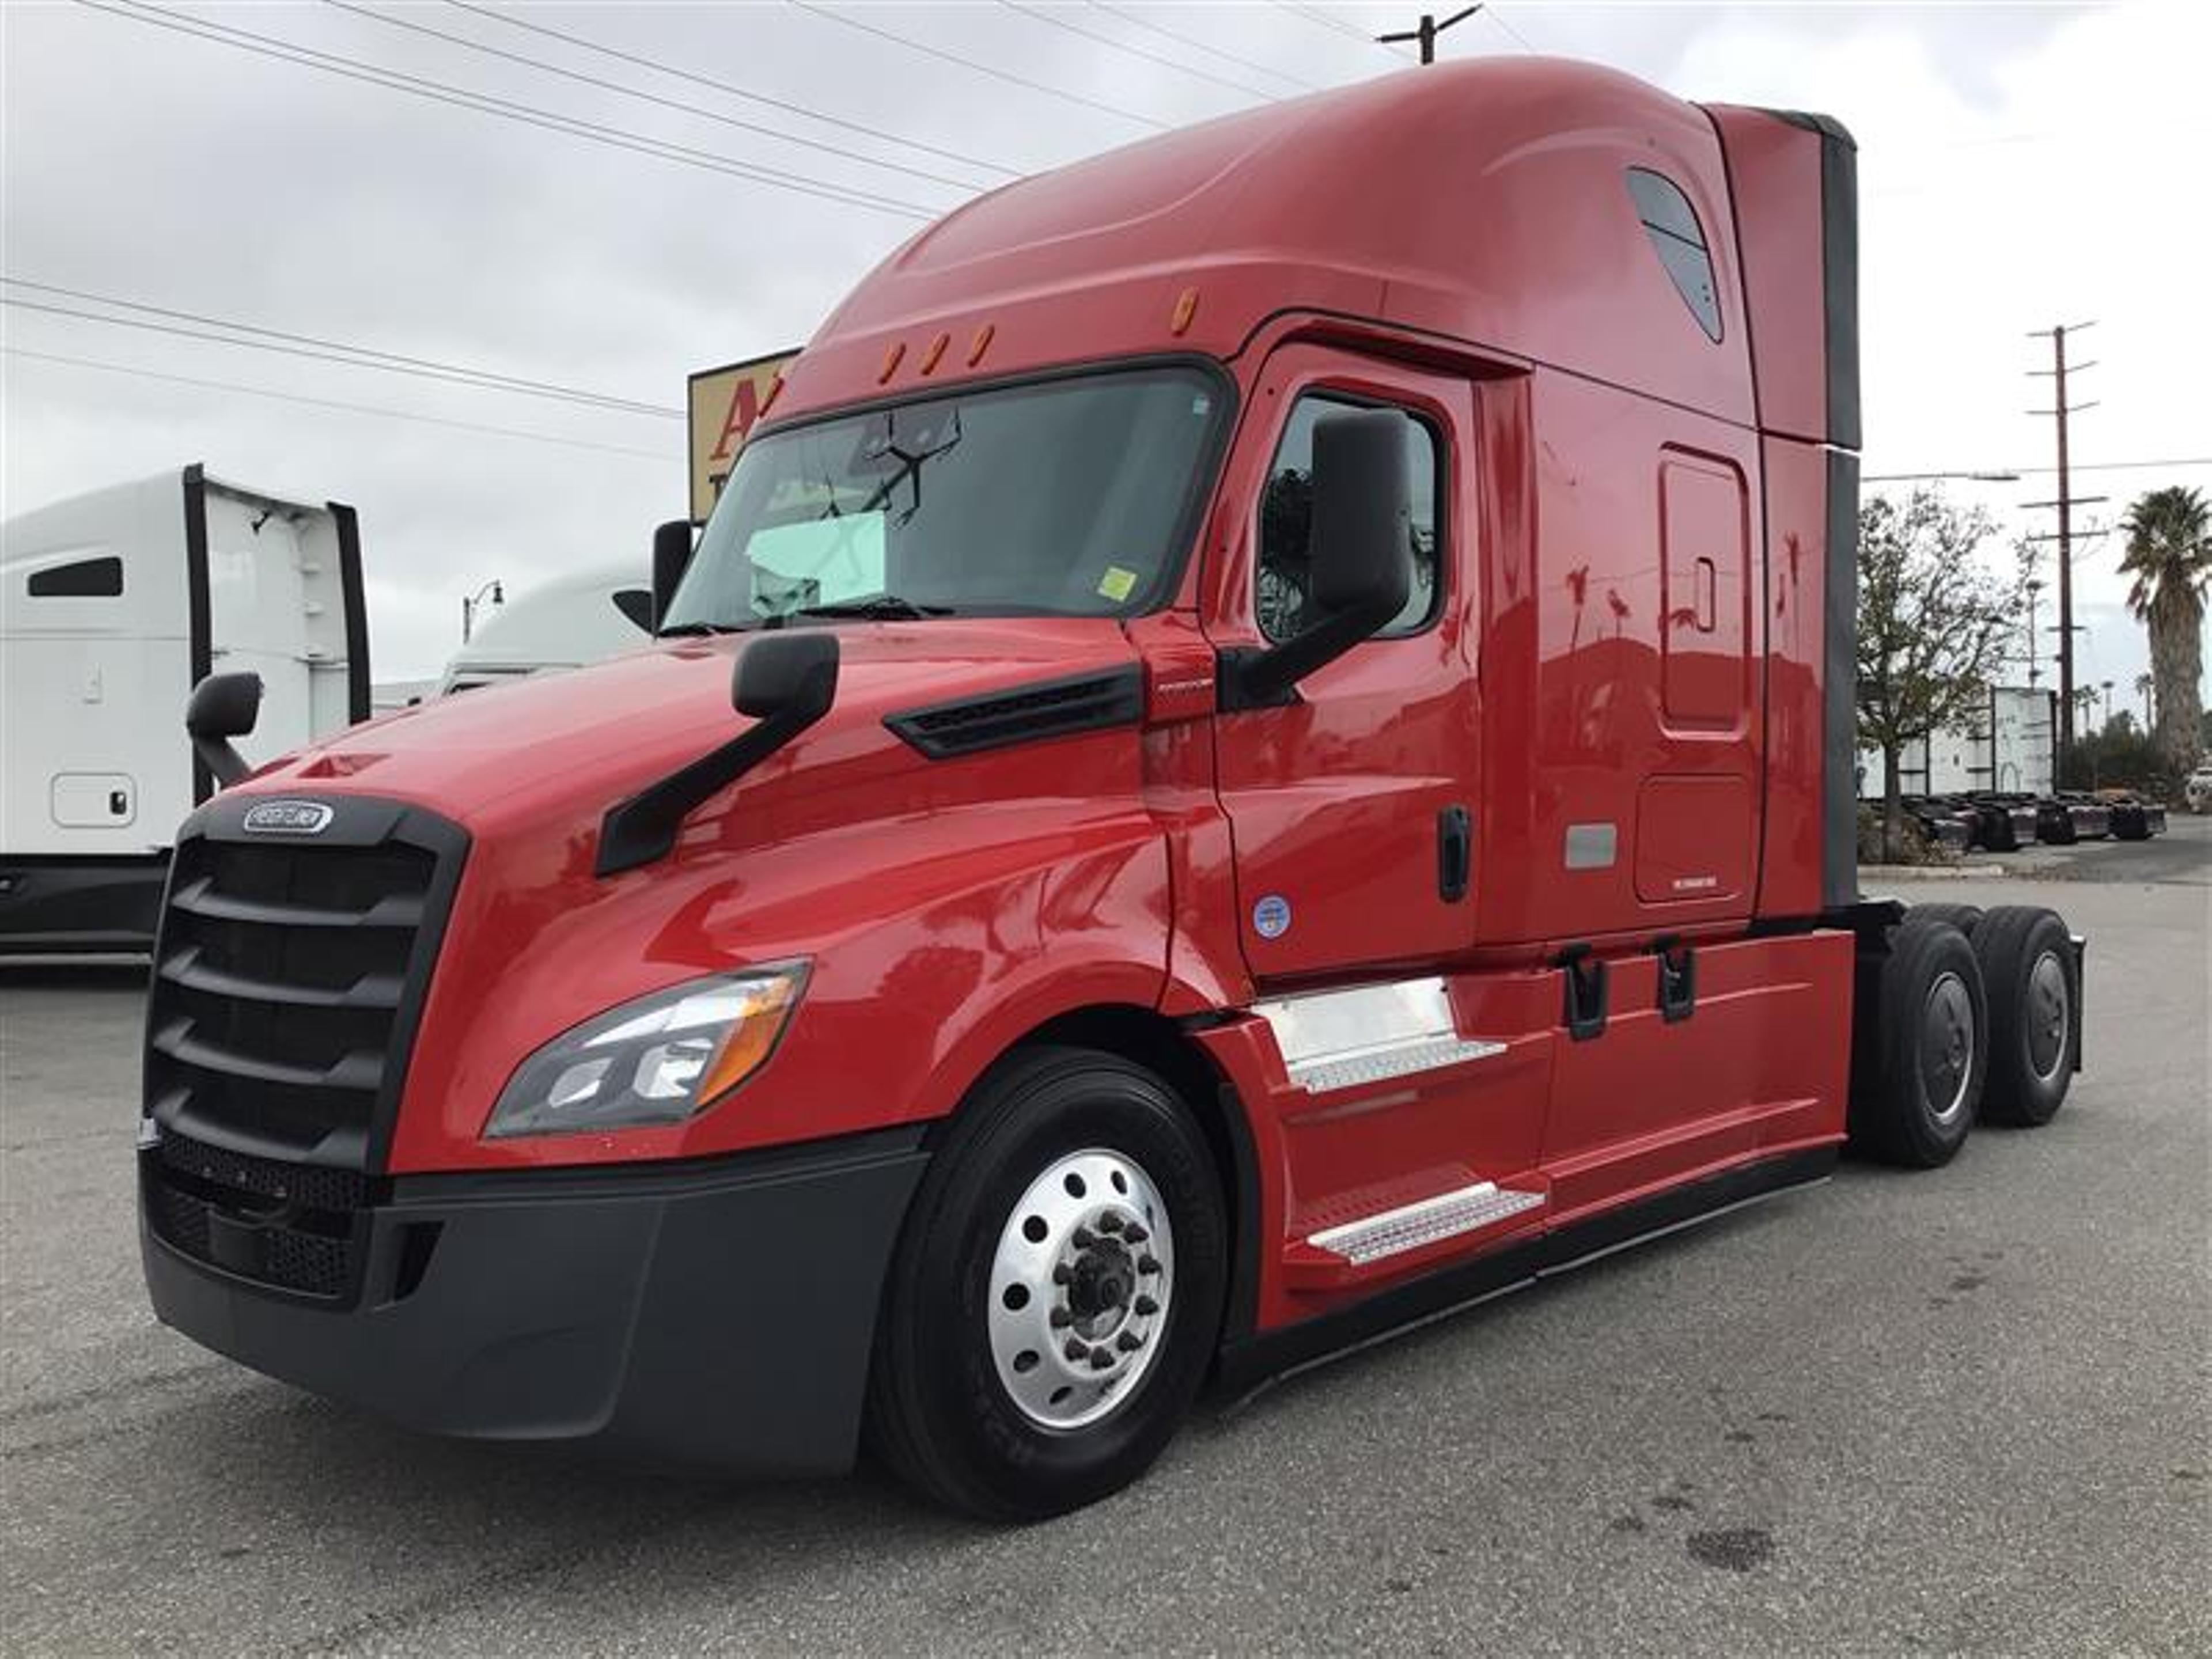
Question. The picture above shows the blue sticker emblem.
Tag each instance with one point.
(1271, 916)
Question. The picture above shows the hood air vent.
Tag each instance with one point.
(1048, 708)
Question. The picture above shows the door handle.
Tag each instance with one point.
(1455, 853)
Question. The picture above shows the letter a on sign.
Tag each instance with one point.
(723, 406)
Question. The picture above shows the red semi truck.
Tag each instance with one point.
(1290, 769)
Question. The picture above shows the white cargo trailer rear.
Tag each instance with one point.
(114, 604)
(2006, 745)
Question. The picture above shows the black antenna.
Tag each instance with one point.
(1427, 33)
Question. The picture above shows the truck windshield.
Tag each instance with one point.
(1071, 497)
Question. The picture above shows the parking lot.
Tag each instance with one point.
(1969, 1410)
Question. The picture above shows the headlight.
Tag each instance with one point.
(658, 1060)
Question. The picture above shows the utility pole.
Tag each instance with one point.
(2066, 503)
(1427, 33)
(2034, 587)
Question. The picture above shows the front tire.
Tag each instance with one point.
(1056, 1297)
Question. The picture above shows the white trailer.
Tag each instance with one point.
(2008, 746)
(563, 623)
(114, 604)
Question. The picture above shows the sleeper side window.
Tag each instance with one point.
(86, 579)
(1680, 241)
(1286, 522)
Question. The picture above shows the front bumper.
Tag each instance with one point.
(716, 1315)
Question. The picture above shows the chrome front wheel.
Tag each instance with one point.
(1081, 1286)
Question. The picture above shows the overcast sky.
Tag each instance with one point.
(2019, 166)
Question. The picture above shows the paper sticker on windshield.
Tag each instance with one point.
(1117, 583)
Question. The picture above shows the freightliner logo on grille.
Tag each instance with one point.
(288, 817)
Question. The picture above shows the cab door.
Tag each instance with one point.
(1349, 807)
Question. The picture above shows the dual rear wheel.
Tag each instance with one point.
(1976, 1014)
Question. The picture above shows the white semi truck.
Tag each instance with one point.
(114, 604)
(563, 623)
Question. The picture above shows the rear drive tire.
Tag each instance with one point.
(1963, 917)
(2034, 988)
(1055, 1300)
(1930, 1049)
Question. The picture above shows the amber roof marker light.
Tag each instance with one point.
(980, 343)
(935, 351)
(1186, 308)
(891, 363)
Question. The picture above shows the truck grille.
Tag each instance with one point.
(288, 979)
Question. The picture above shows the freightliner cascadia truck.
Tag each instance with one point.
(1258, 746)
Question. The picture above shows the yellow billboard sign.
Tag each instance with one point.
(723, 406)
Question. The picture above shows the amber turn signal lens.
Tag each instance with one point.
(750, 1039)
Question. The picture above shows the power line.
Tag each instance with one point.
(1490, 12)
(286, 52)
(659, 67)
(1077, 29)
(1191, 40)
(464, 42)
(2029, 471)
(317, 357)
(980, 68)
(653, 455)
(1350, 31)
(384, 359)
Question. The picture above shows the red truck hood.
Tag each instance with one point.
(849, 848)
(573, 744)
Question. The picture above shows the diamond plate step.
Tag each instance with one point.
(1410, 1227)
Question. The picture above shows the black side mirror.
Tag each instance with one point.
(779, 675)
(672, 557)
(1359, 553)
(786, 682)
(222, 707)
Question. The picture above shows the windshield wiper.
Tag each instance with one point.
(876, 607)
(694, 631)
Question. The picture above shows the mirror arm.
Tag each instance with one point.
(225, 762)
(785, 681)
(1266, 677)
(642, 829)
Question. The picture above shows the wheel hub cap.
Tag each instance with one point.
(1947, 1046)
(1081, 1284)
(2048, 1016)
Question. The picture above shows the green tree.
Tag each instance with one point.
(2170, 558)
(1933, 624)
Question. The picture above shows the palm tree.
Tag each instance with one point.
(2170, 556)
(2143, 684)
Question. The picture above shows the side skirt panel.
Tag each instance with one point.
(1251, 1365)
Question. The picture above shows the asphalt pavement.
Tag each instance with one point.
(1969, 1410)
